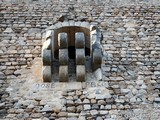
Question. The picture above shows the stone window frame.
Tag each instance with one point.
(48, 39)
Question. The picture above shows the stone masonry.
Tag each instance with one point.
(130, 85)
(73, 42)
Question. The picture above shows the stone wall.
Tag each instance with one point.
(131, 60)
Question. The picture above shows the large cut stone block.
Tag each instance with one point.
(63, 56)
(80, 40)
(80, 56)
(47, 74)
(48, 34)
(63, 73)
(46, 55)
(96, 59)
(62, 40)
(47, 44)
(80, 73)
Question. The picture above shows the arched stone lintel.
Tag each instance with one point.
(93, 29)
(70, 23)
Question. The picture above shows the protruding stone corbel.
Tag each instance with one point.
(80, 56)
(63, 57)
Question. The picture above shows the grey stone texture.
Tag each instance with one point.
(63, 56)
(62, 40)
(47, 75)
(73, 45)
(80, 56)
(130, 61)
(80, 40)
(46, 57)
(63, 73)
(80, 73)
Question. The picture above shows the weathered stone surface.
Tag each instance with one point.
(96, 59)
(62, 114)
(47, 45)
(2, 76)
(46, 56)
(63, 73)
(80, 56)
(62, 40)
(79, 108)
(87, 107)
(36, 115)
(98, 74)
(86, 101)
(47, 109)
(94, 112)
(130, 61)
(157, 99)
(103, 112)
(47, 76)
(71, 109)
(3, 111)
(48, 34)
(95, 106)
(63, 56)
(8, 30)
(101, 102)
(80, 73)
(80, 40)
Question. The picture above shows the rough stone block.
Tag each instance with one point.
(63, 73)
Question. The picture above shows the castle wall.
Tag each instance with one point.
(131, 59)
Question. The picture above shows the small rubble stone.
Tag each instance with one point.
(71, 109)
(87, 107)
(79, 108)
(157, 99)
(95, 106)
(86, 101)
(78, 93)
(62, 114)
(36, 115)
(108, 107)
(47, 109)
(93, 101)
(101, 102)
(3, 111)
(157, 73)
(94, 112)
(103, 112)
(99, 118)
(19, 111)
